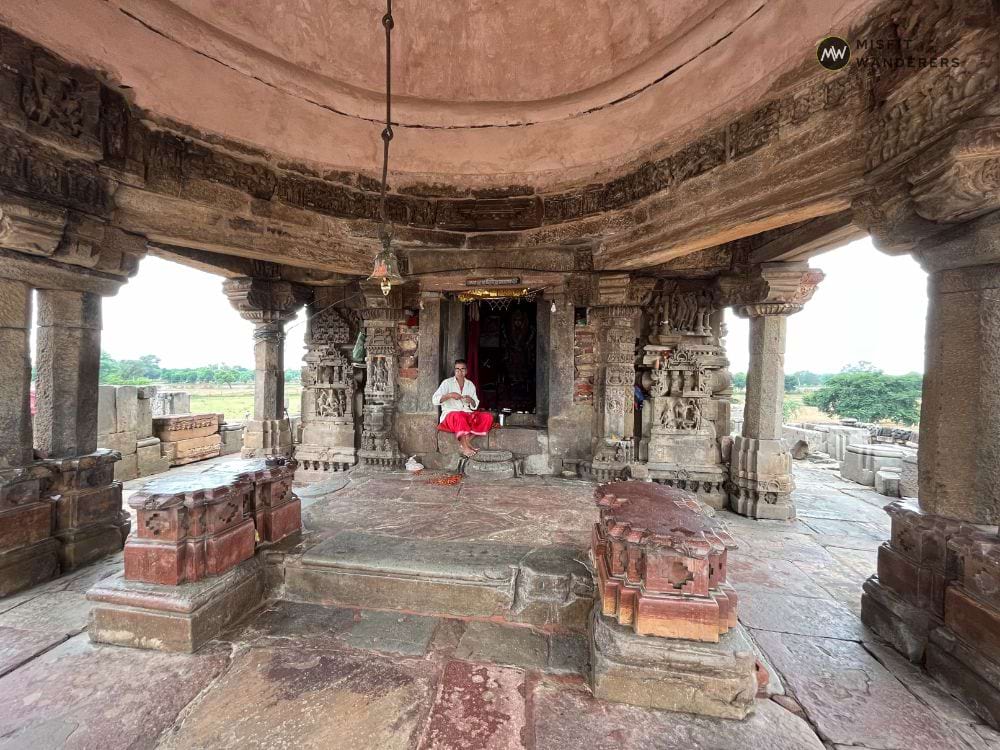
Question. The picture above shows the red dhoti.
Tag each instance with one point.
(464, 422)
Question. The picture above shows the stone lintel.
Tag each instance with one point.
(45, 273)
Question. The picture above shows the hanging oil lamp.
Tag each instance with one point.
(386, 266)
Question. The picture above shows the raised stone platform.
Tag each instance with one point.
(174, 618)
(539, 586)
(712, 679)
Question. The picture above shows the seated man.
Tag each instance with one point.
(458, 401)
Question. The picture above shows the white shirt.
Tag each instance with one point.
(450, 385)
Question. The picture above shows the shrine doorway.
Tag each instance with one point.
(501, 350)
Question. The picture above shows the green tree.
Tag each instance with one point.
(869, 395)
(807, 379)
(740, 380)
(791, 383)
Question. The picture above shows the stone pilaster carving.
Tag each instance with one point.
(687, 382)
(760, 472)
(328, 391)
(379, 444)
(268, 304)
(615, 392)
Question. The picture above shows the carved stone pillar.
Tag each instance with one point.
(760, 463)
(328, 391)
(69, 363)
(618, 304)
(268, 304)
(15, 363)
(935, 596)
(379, 442)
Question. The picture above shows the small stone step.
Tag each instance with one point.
(539, 586)
(491, 464)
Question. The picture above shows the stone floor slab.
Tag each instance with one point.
(771, 575)
(54, 612)
(500, 644)
(310, 698)
(851, 698)
(479, 706)
(784, 613)
(572, 719)
(19, 646)
(80, 696)
(392, 632)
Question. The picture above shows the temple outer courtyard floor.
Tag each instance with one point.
(299, 674)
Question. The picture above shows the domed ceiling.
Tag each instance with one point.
(488, 93)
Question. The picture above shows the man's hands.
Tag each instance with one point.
(464, 399)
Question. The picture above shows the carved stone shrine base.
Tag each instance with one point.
(689, 461)
(936, 599)
(760, 479)
(711, 679)
(267, 437)
(174, 618)
(491, 465)
(708, 484)
(326, 449)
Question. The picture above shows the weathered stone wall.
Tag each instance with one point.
(584, 341)
(125, 424)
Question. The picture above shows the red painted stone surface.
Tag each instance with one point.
(479, 706)
(204, 524)
(20, 527)
(661, 563)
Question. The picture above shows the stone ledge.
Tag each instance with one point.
(544, 586)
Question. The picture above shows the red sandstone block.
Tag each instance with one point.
(155, 562)
(282, 521)
(16, 494)
(229, 549)
(921, 586)
(225, 515)
(77, 508)
(20, 527)
(162, 525)
(626, 602)
(692, 618)
(974, 622)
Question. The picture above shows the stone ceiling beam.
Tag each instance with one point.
(809, 239)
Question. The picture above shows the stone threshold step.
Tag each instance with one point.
(540, 586)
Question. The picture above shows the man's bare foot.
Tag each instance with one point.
(468, 452)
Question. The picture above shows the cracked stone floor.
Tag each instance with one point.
(306, 676)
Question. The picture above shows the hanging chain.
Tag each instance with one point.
(384, 233)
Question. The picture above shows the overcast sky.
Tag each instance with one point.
(870, 307)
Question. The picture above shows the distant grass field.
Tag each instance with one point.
(802, 413)
(236, 402)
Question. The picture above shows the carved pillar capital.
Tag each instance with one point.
(775, 289)
(623, 289)
(265, 302)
